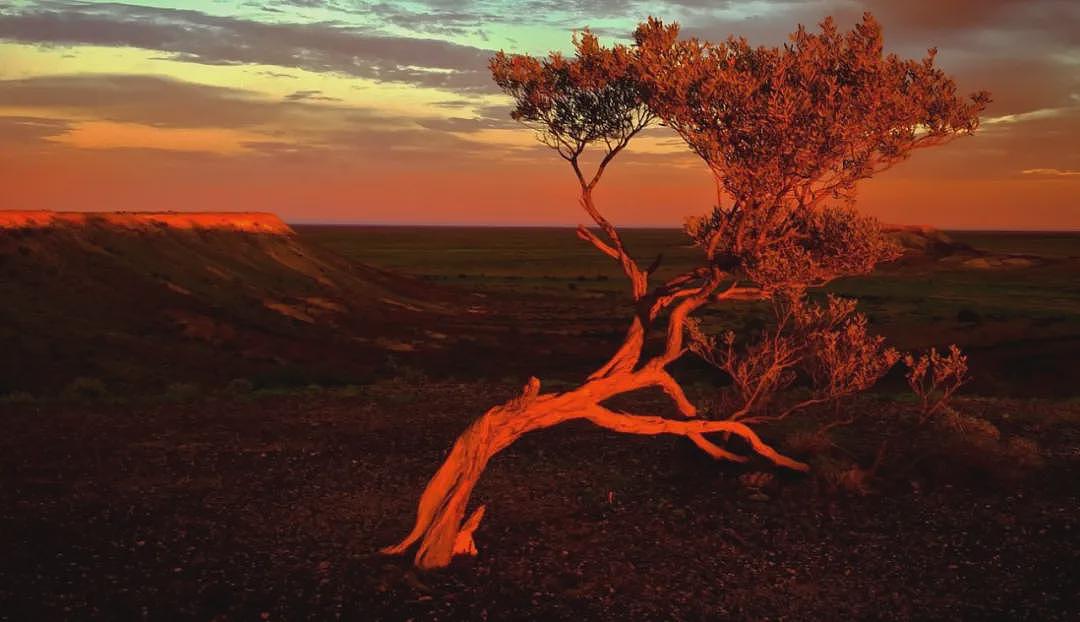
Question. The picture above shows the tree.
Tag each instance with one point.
(787, 133)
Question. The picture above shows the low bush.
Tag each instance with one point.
(240, 386)
(17, 397)
(84, 388)
(182, 392)
(934, 377)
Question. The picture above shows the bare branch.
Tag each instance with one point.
(646, 424)
(589, 237)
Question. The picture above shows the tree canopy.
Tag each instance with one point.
(787, 131)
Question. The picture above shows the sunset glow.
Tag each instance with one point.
(385, 112)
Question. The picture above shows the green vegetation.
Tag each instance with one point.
(1039, 243)
(1021, 324)
(515, 258)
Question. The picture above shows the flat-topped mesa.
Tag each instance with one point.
(251, 222)
(924, 240)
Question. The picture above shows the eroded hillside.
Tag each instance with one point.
(141, 301)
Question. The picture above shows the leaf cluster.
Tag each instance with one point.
(787, 132)
(572, 103)
(789, 126)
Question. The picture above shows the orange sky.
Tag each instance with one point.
(383, 112)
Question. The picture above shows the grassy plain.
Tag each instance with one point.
(1021, 323)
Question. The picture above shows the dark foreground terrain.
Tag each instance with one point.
(272, 507)
(247, 460)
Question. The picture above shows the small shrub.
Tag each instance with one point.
(240, 386)
(805, 443)
(849, 477)
(756, 480)
(351, 390)
(84, 388)
(969, 425)
(829, 344)
(977, 459)
(18, 397)
(1024, 451)
(404, 373)
(935, 377)
(182, 392)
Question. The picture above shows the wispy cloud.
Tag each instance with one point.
(1050, 172)
(104, 111)
(196, 37)
(310, 95)
(111, 135)
(1031, 115)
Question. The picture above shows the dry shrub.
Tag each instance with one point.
(756, 480)
(84, 388)
(809, 443)
(828, 344)
(17, 397)
(240, 386)
(968, 425)
(973, 451)
(853, 480)
(844, 477)
(935, 377)
(1024, 451)
(182, 392)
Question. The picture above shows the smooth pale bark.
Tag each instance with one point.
(440, 527)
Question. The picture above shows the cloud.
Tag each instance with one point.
(436, 19)
(1054, 19)
(278, 74)
(1030, 115)
(191, 36)
(19, 130)
(310, 95)
(112, 135)
(1050, 173)
(487, 118)
(156, 113)
(455, 103)
(151, 100)
(935, 15)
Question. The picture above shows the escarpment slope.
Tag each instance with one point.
(141, 301)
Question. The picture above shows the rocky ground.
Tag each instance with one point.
(273, 507)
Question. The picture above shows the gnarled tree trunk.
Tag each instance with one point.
(441, 528)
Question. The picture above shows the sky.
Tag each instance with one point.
(357, 111)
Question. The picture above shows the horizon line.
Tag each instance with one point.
(451, 225)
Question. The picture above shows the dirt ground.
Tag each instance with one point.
(273, 508)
